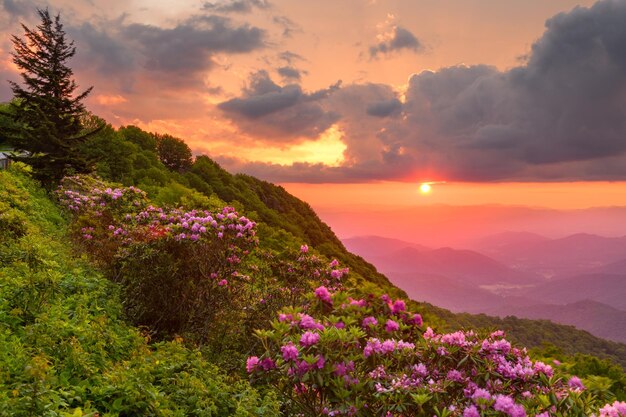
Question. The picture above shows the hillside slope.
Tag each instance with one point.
(65, 347)
(130, 156)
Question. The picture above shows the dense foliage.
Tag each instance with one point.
(340, 349)
(64, 346)
(129, 155)
(372, 357)
(199, 260)
(45, 111)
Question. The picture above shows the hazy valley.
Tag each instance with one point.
(576, 280)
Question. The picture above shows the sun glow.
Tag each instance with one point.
(425, 188)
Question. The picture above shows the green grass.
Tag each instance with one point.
(65, 348)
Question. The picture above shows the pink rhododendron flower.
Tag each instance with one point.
(289, 351)
(391, 326)
(369, 321)
(575, 383)
(252, 363)
(323, 294)
(309, 339)
(398, 306)
(471, 411)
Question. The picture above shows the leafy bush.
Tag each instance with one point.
(178, 268)
(371, 357)
(65, 349)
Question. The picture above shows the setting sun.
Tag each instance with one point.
(425, 188)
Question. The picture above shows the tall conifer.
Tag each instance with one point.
(46, 110)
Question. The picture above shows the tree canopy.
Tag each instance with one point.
(46, 109)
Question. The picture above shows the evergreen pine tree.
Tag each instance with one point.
(45, 109)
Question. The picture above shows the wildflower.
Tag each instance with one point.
(252, 363)
(391, 326)
(481, 395)
(471, 411)
(309, 339)
(289, 351)
(323, 294)
(304, 248)
(369, 321)
(266, 364)
(507, 405)
(320, 362)
(416, 320)
(575, 384)
(398, 306)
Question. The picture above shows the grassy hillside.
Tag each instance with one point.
(87, 318)
(68, 348)
(130, 156)
(65, 348)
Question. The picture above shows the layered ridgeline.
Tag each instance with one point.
(163, 167)
(163, 280)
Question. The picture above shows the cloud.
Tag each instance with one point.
(5, 88)
(384, 108)
(290, 73)
(236, 6)
(559, 116)
(189, 46)
(175, 57)
(290, 57)
(397, 39)
(289, 26)
(284, 113)
(19, 8)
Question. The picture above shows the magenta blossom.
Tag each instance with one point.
(323, 294)
(576, 384)
(289, 351)
(252, 363)
(391, 326)
(398, 306)
(309, 339)
(369, 321)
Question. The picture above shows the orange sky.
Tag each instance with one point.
(497, 97)
(381, 195)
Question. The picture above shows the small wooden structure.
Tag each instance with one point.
(5, 161)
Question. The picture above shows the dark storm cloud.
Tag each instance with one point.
(290, 73)
(286, 112)
(566, 104)
(19, 8)
(13, 12)
(174, 57)
(236, 6)
(105, 52)
(559, 116)
(401, 39)
(384, 108)
(190, 45)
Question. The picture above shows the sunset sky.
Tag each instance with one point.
(517, 102)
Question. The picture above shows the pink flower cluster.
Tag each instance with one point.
(617, 409)
(468, 374)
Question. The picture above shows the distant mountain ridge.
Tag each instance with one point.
(597, 318)
(578, 274)
(462, 264)
(609, 289)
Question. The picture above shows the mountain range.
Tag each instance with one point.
(578, 280)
